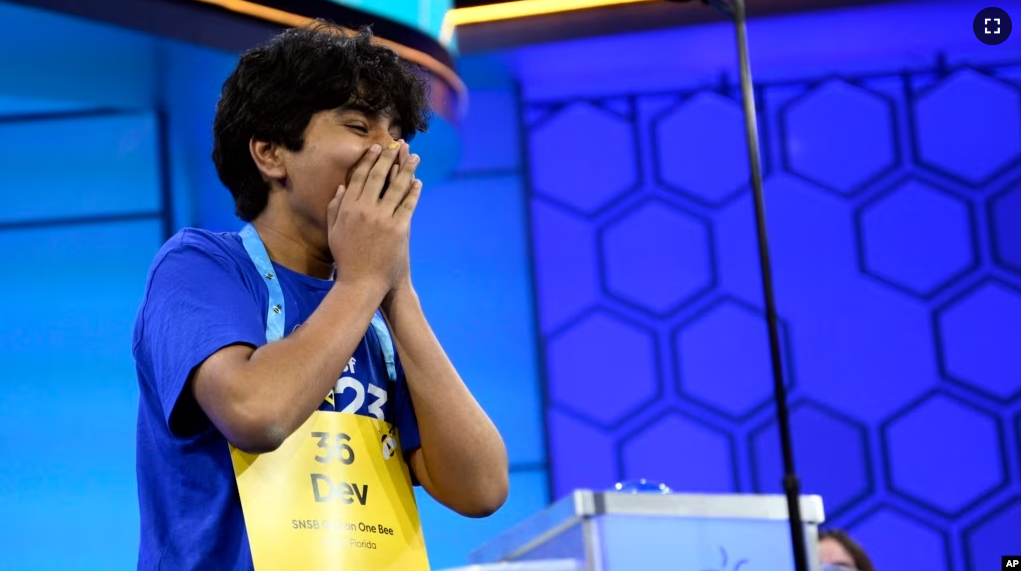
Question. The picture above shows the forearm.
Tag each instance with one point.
(287, 380)
(464, 455)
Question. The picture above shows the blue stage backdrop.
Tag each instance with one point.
(105, 136)
(894, 209)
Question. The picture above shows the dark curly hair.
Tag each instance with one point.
(862, 562)
(277, 88)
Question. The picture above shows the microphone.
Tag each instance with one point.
(735, 9)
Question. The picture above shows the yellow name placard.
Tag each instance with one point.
(337, 495)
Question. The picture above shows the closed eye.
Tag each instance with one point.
(359, 128)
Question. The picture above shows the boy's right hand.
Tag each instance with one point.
(367, 234)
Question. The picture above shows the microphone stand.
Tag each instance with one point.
(735, 9)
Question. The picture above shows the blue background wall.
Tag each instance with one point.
(104, 144)
(892, 197)
(84, 213)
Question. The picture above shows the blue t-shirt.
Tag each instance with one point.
(203, 293)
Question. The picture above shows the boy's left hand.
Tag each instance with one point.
(404, 286)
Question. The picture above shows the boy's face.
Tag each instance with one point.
(334, 143)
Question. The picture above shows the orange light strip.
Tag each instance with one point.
(517, 9)
(295, 21)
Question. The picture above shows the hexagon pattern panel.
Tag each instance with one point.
(701, 363)
(601, 169)
(839, 136)
(937, 432)
(916, 237)
(895, 227)
(676, 266)
(602, 391)
(950, 131)
(928, 545)
(980, 339)
(642, 455)
(1005, 223)
(823, 438)
(706, 129)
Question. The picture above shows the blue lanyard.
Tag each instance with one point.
(276, 316)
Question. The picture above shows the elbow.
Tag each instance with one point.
(254, 433)
(488, 506)
(249, 420)
(488, 499)
(259, 441)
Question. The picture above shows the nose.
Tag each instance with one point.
(383, 138)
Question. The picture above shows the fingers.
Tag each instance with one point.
(401, 185)
(392, 169)
(402, 158)
(390, 178)
(360, 174)
(334, 206)
(410, 202)
(377, 175)
(405, 153)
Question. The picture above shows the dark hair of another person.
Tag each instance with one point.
(861, 560)
(277, 88)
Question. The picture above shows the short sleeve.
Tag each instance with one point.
(196, 304)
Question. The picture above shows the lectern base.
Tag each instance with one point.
(611, 531)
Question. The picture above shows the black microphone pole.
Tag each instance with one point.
(735, 9)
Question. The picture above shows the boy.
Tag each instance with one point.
(273, 395)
